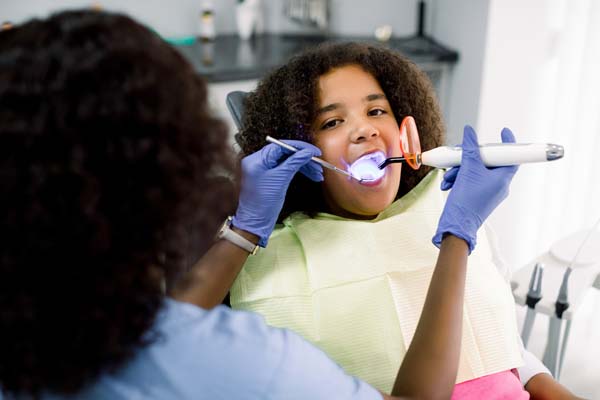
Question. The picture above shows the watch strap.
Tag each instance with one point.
(232, 236)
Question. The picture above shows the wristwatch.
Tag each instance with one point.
(229, 234)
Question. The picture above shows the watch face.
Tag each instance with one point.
(224, 228)
(228, 234)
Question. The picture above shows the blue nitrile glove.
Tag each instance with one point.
(476, 191)
(266, 176)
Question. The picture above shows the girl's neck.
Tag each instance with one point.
(335, 209)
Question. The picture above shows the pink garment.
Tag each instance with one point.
(504, 385)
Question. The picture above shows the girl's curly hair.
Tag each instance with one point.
(285, 103)
(109, 156)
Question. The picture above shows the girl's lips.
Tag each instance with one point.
(371, 183)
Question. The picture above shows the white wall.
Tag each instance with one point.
(535, 81)
(177, 19)
(520, 43)
(541, 79)
(180, 17)
(462, 25)
(508, 75)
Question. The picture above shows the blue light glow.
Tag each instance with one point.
(366, 167)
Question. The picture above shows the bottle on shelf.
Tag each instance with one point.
(207, 21)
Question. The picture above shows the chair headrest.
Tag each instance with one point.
(235, 105)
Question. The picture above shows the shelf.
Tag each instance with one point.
(228, 58)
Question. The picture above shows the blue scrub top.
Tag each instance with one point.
(225, 354)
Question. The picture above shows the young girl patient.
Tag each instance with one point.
(349, 264)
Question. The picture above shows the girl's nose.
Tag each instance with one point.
(363, 131)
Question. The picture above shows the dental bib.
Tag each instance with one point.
(356, 289)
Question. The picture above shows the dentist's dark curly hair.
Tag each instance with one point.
(109, 156)
(285, 106)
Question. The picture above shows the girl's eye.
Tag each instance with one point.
(331, 124)
(377, 111)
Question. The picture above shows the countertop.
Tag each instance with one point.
(228, 58)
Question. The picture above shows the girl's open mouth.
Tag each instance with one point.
(366, 168)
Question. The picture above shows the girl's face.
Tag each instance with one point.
(354, 120)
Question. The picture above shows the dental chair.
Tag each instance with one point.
(235, 105)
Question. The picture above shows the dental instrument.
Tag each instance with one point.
(553, 357)
(318, 160)
(492, 154)
(534, 295)
(563, 348)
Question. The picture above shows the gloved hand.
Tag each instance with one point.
(266, 175)
(476, 191)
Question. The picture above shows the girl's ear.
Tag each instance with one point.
(409, 141)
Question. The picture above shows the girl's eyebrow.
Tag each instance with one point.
(376, 96)
(327, 108)
(333, 106)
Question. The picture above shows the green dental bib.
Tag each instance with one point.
(355, 288)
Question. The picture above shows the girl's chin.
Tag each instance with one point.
(369, 198)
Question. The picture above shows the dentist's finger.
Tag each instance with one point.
(449, 178)
(312, 171)
(470, 145)
(507, 136)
